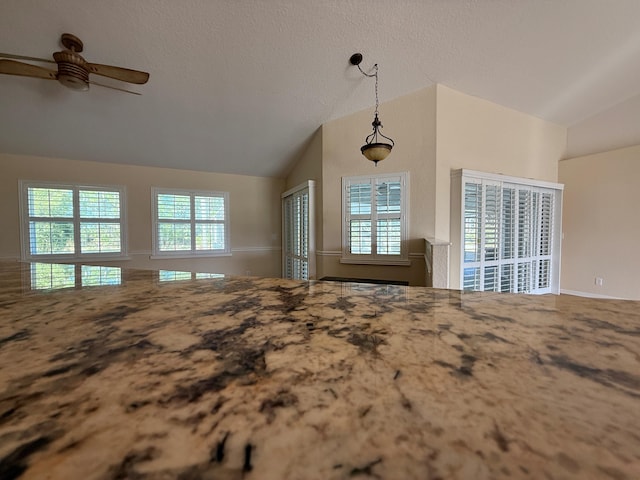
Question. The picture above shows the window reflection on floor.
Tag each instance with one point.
(209, 275)
(51, 276)
(173, 275)
(46, 276)
(93, 275)
(176, 275)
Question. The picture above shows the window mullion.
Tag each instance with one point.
(78, 275)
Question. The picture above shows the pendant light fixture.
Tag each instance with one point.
(373, 149)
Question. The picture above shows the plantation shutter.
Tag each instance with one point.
(99, 221)
(297, 233)
(190, 222)
(71, 221)
(375, 215)
(508, 235)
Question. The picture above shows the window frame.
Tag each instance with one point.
(25, 218)
(193, 252)
(534, 243)
(373, 258)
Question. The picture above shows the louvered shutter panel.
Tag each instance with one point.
(174, 222)
(388, 211)
(99, 221)
(507, 236)
(359, 198)
(296, 232)
(209, 213)
(51, 225)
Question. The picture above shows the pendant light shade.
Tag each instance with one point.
(376, 151)
(373, 149)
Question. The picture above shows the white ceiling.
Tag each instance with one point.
(239, 86)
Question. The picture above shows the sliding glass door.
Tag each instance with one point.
(298, 260)
(510, 235)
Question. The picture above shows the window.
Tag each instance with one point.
(187, 223)
(71, 221)
(510, 234)
(375, 219)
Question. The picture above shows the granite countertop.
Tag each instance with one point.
(253, 378)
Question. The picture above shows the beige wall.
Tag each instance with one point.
(309, 167)
(480, 135)
(601, 224)
(254, 210)
(410, 121)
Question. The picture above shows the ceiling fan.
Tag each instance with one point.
(73, 70)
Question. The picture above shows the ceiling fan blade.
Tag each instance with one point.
(11, 67)
(119, 73)
(113, 88)
(22, 57)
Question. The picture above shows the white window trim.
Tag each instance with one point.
(24, 185)
(373, 258)
(157, 254)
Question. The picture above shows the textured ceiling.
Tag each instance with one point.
(239, 86)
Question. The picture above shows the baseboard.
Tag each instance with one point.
(588, 295)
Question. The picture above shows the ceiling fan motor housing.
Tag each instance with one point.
(73, 71)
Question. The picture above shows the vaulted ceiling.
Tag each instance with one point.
(239, 86)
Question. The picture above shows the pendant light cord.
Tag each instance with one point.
(371, 75)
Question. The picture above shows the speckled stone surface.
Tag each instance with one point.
(250, 378)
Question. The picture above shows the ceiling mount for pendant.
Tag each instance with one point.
(373, 149)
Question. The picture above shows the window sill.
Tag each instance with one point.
(375, 261)
(172, 255)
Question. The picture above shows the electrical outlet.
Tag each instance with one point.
(598, 281)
